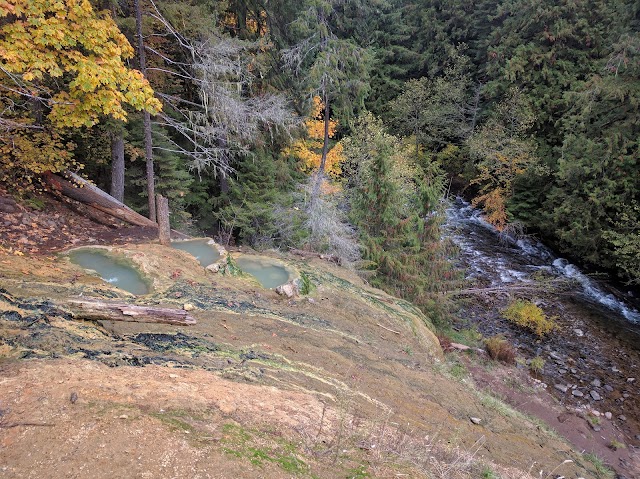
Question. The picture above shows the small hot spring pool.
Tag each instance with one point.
(110, 270)
(204, 252)
(268, 275)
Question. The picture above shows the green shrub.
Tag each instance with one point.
(305, 283)
(529, 316)
(536, 364)
(602, 471)
(232, 268)
(615, 445)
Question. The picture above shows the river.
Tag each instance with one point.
(592, 360)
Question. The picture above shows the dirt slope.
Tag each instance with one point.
(343, 382)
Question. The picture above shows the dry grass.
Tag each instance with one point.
(379, 447)
(499, 349)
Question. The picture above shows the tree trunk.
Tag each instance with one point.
(241, 24)
(95, 214)
(148, 145)
(164, 230)
(325, 144)
(224, 166)
(148, 153)
(99, 310)
(315, 193)
(117, 165)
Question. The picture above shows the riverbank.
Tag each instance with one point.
(589, 364)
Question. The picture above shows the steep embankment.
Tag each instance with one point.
(344, 381)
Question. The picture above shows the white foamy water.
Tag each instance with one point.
(505, 260)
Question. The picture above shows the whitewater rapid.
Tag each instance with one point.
(504, 260)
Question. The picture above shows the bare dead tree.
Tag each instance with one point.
(330, 232)
(226, 121)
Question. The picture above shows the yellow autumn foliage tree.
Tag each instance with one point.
(62, 65)
(309, 150)
(503, 151)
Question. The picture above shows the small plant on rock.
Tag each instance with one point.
(536, 365)
(529, 316)
(595, 420)
(499, 349)
(615, 445)
(487, 473)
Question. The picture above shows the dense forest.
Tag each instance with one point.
(338, 126)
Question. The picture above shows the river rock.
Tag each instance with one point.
(595, 395)
(475, 420)
(608, 415)
(288, 289)
(555, 356)
(596, 383)
(561, 387)
(577, 393)
(574, 371)
(615, 369)
(608, 388)
(631, 380)
(578, 332)
(214, 268)
(562, 371)
(622, 417)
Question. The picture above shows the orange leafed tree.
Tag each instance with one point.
(309, 150)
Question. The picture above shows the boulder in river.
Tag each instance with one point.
(561, 387)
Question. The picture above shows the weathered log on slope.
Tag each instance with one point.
(90, 212)
(99, 310)
(311, 254)
(81, 190)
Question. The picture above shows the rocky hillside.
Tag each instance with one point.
(345, 381)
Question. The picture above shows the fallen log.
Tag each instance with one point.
(310, 254)
(81, 190)
(504, 289)
(90, 212)
(99, 310)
